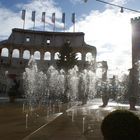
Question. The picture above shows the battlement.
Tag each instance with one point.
(135, 20)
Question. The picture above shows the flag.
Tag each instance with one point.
(53, 17)
(63, 17)
(43, 16)
(23, 14)
(73, 17)
(33, 16)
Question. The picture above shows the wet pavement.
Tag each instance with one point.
(62, 128)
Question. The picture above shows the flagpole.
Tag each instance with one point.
(54, 27)
(74, 27)
(34, 26)
(64, 27)
(44, 26)
(23, 23)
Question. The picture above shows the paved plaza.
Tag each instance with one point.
(64, 125)
(13, 125)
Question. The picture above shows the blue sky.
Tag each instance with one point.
(104, 26)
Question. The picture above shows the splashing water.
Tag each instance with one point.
(54, 85)
(34, 84)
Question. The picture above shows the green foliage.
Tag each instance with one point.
(67, 58)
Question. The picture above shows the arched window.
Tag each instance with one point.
(99, 72)
(89, 56)
(15, 53)
(26, 54)
(79, 56)
(4, 52)
(47, 56)
(56, 56)
(37, 55)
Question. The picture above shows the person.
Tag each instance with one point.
(121, 125)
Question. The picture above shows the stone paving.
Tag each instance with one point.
(12, 126)
(61, 128)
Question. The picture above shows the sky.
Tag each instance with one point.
(105, 27)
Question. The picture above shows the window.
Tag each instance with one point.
(26, 54)
(27, 39)
(47, 56)
(48, 41)
(68, 41)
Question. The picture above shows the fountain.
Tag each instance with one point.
(34, 84)
(55, 87)
(78, 89)
(58, 86)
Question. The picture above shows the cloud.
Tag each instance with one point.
(10, 19)
(118, 3)
(110, 1)
(77, 1)
(121, 2)
(110, 32)
(40, 6)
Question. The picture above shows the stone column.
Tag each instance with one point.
(21, 56)
(10, 56)
(83, 60)
(83, 57)
(52, 56)
(31, 53)
(41, 55)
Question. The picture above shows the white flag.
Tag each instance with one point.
(33, 16)
(63, 17)
(73, 17)
(53, 17)
(43, 16)
(23, 14)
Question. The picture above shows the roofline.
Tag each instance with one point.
(46, 32)
(3, 42)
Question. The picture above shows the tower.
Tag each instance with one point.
(135, 22)
(134, 72)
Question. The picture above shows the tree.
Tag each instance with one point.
(66, 60)
(67, 57)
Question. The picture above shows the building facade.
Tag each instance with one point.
(16, 51)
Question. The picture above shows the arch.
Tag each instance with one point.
(99, 72)
(15, 53)
(37, 55)
(26, 54)
(79, 56)
(5, 52)
(56, 56)
(89, 56)
(47, 56)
